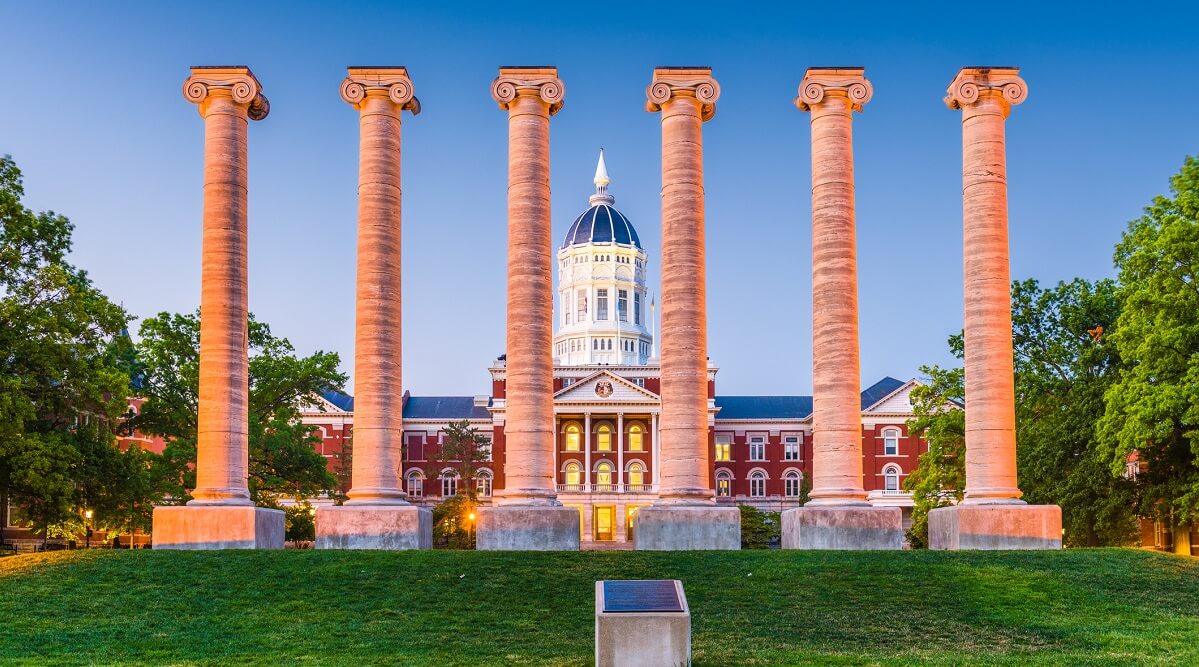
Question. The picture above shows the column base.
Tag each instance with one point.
(995, 527)
(687, 528)
(386, 527)
(527, 528)
(847, 528)
(217, 527)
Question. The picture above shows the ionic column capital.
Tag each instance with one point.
(390, 82)
(825, 83)
(540, 82)
(974, 84)
(692, 82)
(223, 82)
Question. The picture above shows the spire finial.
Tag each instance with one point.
(601, 195)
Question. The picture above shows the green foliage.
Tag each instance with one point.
(1064, 366)
(1152, 408)
(300, 522)
(939, 479)
(283, 456)
(465, 450)
(759, 529)
(453, 526)
(64, 379)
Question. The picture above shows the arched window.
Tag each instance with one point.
(483, 483)
(416, 484)
(636, 474)
(603, 438)
(574, 474)
(636, 438)
(792, 481)
(891, 479)
(449, 483)
(724, 484)
(891, 442)
(603, 474)
(757, 484)
(572, 437)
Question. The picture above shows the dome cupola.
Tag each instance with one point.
(601, 223)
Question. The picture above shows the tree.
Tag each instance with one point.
(939, 479)
(465, 451)
(283, 456)
(1152, 407)
(1064, 366)
(759, 529)
(63, 380)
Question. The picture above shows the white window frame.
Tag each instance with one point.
(416, 483)
(727, 477)
(792, 484)
(757, 442)
(725, 442)
(757, 484)
(891, 437)
(891, 472)
(789, 453)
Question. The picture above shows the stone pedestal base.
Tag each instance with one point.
(642, 639)
(687, 528)
(217, 527)
(995, 527)
(845, 528)
(527, 528)
(390, 527)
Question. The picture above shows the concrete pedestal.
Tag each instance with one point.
(995, 527)
(642, 639)
(687, 528)
(389, 527)
(527, 528)
(217, 527)
(848, 528)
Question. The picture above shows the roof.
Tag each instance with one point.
(792, 407)
(880, 390)
(444, 407)
(601, 224)
(339, 398)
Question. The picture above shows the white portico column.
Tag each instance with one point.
(685, 516)
(653, 450)
(620, 451)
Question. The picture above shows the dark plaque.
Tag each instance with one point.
(641, 596)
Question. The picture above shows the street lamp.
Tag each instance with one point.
(88, 515)
(471, 516)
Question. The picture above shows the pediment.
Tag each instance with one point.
(587, 390)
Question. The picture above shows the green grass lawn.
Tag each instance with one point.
(466, 608)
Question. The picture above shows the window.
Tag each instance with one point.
(636, 307)
(891, 442)
(724, 484)
(636, 438)
(581, 306)
(483, 483)
(603, 438)
(891, 479)
(601, 304)
(574, 474)
(622, 305)
(566, 306)
(572, 437)
(603, 474)
(416, 484)
(449, 483)
(636, 474)
(791, 448)
(757, 448)
(791, 484)
(757, 484)
(724, 448)
(566, 382)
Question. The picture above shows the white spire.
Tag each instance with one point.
(601, 195)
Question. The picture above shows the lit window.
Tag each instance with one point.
(724, 448)
(572, 437)
(483, 483)
(891, 442)
(724, 484)
(603, 438)
(791, 448)
(757, 484)
(791, 484)
(635, 438)
(636, 474)
(601, 304)
(891, 479)
(603, 474)
(757, 448)
(574, 474)
(622, 305)
(449, 484)
(416, 484)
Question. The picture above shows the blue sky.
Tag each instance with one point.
(91, 109)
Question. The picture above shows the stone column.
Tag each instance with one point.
(221, 514)
(837, 516)
(685, 515)
(527, 514)
(991, 516)
(377, 515)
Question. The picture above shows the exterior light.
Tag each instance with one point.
(88, 514)
(472, 516)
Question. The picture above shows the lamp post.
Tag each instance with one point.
(87, 514)
(471, 516)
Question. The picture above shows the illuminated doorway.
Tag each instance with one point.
(605, 522)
